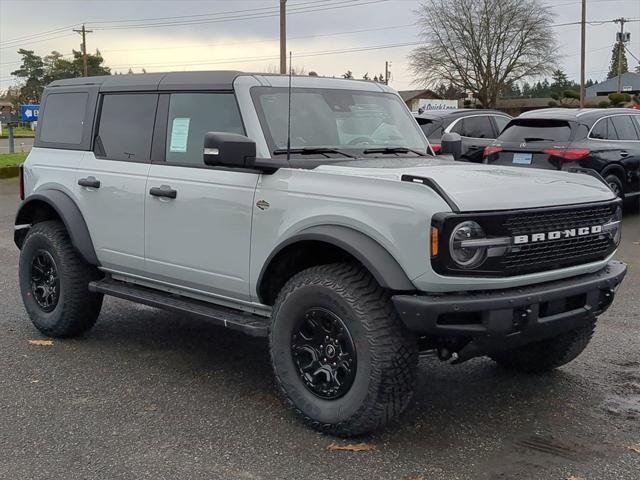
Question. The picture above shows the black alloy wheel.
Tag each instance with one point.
(324, 353)
(45, 282)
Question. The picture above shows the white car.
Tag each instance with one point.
(314, 216)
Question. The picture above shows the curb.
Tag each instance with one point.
(9, 172)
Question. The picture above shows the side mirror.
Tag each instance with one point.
(451, 143)
(228, 149)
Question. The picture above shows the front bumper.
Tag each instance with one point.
(508, 318)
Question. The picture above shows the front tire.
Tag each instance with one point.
(54, 281)
(549, 354)
(341, 356)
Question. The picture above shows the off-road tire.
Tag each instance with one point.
(77, 308)
(546, 355)
(386, 352)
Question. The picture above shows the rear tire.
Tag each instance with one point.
(344, 302)
(54, 281)
(546, 355)
(615, 185)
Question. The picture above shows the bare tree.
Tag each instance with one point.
(481, 46)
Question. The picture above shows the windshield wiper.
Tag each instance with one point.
(311, 151)
(393, 150)
(538, 139)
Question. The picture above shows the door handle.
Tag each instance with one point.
(163, 191)
(90, 182)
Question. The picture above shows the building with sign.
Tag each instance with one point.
(414, 98)
(630, 85)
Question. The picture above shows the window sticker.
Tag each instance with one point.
(179, 135)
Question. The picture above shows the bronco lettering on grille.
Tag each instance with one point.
(556, 234)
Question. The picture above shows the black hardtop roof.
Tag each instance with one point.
(218, 80)
(450, 112)
(575, 114)
(196, 80)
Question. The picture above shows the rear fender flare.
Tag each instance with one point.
(70, 215)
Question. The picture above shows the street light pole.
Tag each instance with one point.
(283, 37)
(583, 25)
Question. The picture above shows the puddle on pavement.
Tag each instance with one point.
(623, 401)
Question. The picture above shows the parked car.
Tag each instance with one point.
(606, 141)
(343, 242)
(477, 129)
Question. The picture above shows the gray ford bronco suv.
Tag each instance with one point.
(311, 215)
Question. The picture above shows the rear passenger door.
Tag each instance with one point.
(628, 149)
(111, 179)
(477, 132)
(198, 230)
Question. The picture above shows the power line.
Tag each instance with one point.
(36, 35)
(627, 49)
(274, 39)
(261, 58)
(260, 15)
(205, 14)
(325, 6)
(298, 8)
(20, 45)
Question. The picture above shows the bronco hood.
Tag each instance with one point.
(477, 187)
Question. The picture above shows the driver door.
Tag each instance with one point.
(198, 217)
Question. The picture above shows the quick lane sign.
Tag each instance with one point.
(29, 113)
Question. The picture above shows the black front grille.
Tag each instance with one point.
(562, 252)
(533, 256)
(541, 221)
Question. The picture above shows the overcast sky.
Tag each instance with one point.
(252, 44)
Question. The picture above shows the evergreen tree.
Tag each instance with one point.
(618, 52)
(32, 71)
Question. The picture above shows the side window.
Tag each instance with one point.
(191, 116)
(611, 131)
(599, 130)
(457, 128)
(477, 127)
(501, 122)
(125, 127)
(63, 118)
(624, 127)
(636, 119)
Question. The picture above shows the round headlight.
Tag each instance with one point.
(461, 247)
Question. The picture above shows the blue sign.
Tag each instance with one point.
(29, 113)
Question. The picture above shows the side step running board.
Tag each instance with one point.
(225, 317)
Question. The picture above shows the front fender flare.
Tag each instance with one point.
(373, 256)
(70, 215)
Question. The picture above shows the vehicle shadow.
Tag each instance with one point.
(476, 397)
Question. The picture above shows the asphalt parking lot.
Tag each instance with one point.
(149, 394)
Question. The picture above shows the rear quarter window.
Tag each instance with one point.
(63, 117)
(536, 130)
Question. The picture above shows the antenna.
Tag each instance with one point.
(289, 113)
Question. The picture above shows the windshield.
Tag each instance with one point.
(350, 121)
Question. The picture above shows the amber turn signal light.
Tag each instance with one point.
(434, 241)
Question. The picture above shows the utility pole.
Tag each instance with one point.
(386, 73)
(84, 32)
(583, 25)
(283, 36)
(620, 44)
